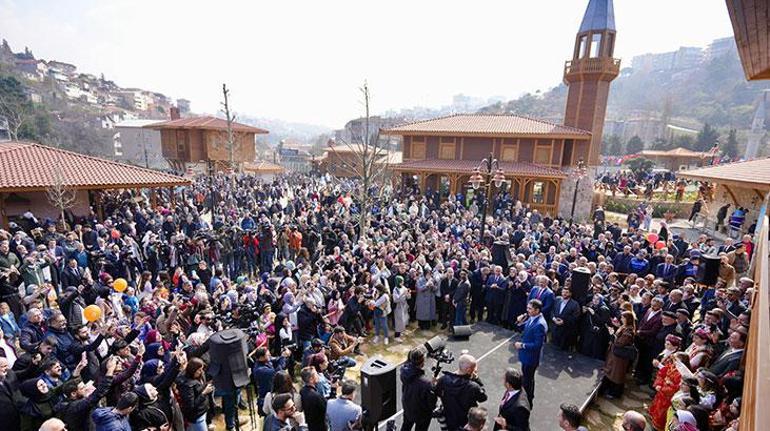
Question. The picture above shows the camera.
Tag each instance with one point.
(436, 348)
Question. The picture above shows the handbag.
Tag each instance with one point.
(628, 352)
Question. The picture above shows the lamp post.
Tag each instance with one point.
(580, 172)
(485, 175)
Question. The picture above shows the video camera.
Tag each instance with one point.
(436, 348)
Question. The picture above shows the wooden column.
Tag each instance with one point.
(99, 204)
(172, 196)
(3, 214)
(153, 199)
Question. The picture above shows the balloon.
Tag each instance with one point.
(652, 238)
(92, 313)
(120, 284)
(659, 245)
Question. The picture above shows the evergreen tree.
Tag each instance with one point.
(684, 141)
(660, 144)
(706, 139)
(730, 149)
(612, 146)
(635, 145)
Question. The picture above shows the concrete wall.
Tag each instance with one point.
(747, 198)
(134, 140)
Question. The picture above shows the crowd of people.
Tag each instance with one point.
(290, 263)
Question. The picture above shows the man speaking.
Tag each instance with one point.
(531, 345)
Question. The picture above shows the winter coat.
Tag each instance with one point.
(105, 419)
(417, 394)
(75, 413)
(401, 312)
(194, 403)
(425, 303)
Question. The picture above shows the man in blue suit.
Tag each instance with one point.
(667, 270)
(531, 345)
(544, 294)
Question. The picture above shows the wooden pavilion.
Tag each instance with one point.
(29, 170)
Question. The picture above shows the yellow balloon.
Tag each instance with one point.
(92, 313)
(120, 285)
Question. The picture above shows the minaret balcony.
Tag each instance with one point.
(601, 65)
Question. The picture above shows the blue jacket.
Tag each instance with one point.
(532, 339)
(639, 267)
(263, 373)
(496, 295)
(547, 298)
(107, 420)
(621, 262)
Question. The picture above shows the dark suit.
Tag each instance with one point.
(71, 277)
(666, 271)
(9, 399)
(314, 406)
(726, 362)
(565, 335)
(645, 343)
(515, 410)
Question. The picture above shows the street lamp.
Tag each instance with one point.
(488, 173)
(580, 172)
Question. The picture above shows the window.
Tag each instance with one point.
(582, 47)
(596, 44)
(446, 151)
(538, 192)
(509, 153)
(610, 44)
(418, 150)
(543, 154)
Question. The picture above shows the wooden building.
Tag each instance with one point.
(343, 160)
(28, 171)
(678, 158)
(199, 144)
(441, 154)
(263, 169)
(537, 156)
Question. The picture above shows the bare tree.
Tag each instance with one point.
(369, 162)
(59, 194)
(231, 140)
(16, 113)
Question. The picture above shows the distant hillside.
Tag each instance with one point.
(714, 92)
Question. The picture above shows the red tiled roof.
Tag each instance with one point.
(263, 166)
(676, 152)
(26, 166)
(206, 123)
(751, 174)
(487, 125)
(467, 166)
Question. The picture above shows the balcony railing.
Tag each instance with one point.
(592, 65)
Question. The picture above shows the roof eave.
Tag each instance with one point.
(582, 136)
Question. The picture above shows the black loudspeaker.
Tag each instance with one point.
(227, 353)
(378, 390)
(501, 255)
(461, 332)
(581, 280)
(709, 273)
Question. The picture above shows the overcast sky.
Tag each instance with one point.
(304, 60)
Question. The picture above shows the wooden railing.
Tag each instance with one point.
(592, 65)
(755, 413)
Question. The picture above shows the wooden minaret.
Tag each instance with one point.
(589, 74)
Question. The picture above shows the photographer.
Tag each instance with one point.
(459, 392)
(342, 345)
(417, 397)
(264, 370)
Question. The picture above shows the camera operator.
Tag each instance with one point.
(316, 346)
(417, 397)
(343, 413)
(264, 370)
(460, 391)
(342, 346)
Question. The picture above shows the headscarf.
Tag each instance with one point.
(149, 371)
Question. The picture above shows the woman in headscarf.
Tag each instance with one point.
(401, 297)
(161, 377)
(594, 334)
(426, 299)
